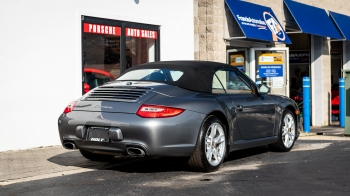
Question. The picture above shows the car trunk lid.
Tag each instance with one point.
(118, 97)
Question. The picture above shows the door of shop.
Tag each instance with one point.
(270, 67)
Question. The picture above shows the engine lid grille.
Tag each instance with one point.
(116, 93)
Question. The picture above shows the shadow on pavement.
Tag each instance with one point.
(304, 172)
(143, 164)
(241, 154)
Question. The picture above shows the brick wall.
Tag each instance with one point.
(209, 30)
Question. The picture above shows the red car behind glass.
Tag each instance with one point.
(335, 102)
(95, 77)
(297, 96)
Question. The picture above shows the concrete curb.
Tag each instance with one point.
(304, 134)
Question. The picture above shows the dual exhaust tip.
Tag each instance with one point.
(133, 151)
(69, 145)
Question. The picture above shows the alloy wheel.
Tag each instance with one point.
(215, 144)
(288, 130)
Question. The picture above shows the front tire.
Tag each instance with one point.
(96, 157)
(287, 133)
(210, 150)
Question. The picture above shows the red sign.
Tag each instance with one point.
(101, 29)
(141, 33)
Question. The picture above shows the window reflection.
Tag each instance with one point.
(104, 43)
(101, 59)
(139, 51)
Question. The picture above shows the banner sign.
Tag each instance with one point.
(140, 33)
(257, 22)
(299, 56)
(101, 29)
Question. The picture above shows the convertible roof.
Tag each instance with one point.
(198, 75)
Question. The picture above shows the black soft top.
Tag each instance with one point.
(198, 75)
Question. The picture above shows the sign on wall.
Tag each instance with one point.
(237, 60)
(271, 67)
(113, 30)
(270, 71)
(299, 56)
(336, 54)
(141, 33)
(101, 29)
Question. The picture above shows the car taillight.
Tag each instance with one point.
(156, 111)
(86, 88)
(297, 98)
(69, 108)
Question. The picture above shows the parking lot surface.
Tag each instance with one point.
(317, 165)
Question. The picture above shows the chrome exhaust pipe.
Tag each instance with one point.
(135, 151)
(69, 146)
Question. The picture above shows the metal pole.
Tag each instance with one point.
(341, 102)
(306, 104)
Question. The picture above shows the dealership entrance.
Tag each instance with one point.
(267, 66)
(109, 47)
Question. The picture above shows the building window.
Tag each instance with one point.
(101, 54)
(109, 47)
(140, 46)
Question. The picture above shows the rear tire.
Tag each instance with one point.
(96, 157)
(210, 150)
(287, 133)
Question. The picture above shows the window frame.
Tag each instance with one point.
(123, 25)
(242, 77)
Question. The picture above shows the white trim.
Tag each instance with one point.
(294, 32)
(287, 71)
(233, 38)
(252, 64)
(337, 40)
(312, 65)
(344, 61)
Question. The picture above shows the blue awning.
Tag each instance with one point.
(311, 20)
(342, 22)
(257, 22)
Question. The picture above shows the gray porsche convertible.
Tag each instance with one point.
(196, 109)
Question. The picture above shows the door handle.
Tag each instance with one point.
(239, 108)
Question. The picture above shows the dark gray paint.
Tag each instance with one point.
(176, 136)
(259, 109)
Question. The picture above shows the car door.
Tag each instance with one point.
(255, 113)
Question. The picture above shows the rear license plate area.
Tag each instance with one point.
(98, 134)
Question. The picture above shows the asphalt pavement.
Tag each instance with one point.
(317, 165)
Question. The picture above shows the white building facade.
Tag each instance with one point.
(50, 50)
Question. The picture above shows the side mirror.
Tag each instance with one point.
(263, 89)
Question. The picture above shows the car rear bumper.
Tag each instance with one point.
(175, 136)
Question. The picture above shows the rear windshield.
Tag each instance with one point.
(164, 75)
